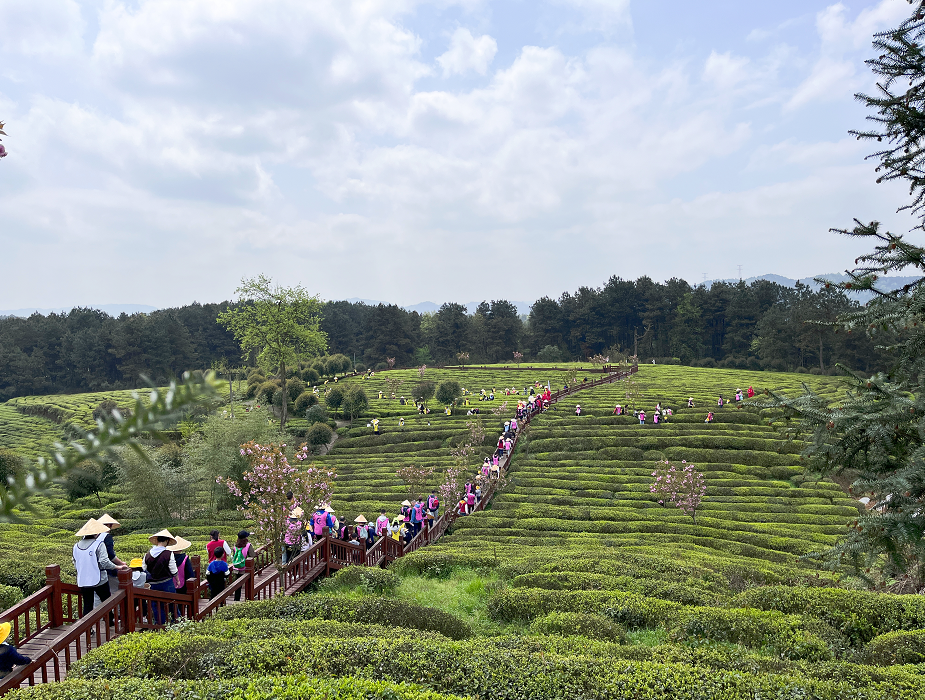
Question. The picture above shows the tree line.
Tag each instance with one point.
(762, 325)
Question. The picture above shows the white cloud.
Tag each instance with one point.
(834, 71)
(726, 70)
(468, 53)
(313, 138)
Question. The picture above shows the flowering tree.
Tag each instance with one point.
(390, 361)
(392, 385)
(2, 149)
(265, 488)
(683, 488)
(421, 370)
(415, 478)
(451, 488)
(499, 411)
(463, 357)
(599, 360)
(518, 356)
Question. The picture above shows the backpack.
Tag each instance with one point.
(240, 556)
(433, 503)
(318, 520)
(178, 580)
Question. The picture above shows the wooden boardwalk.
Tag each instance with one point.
(49, 628)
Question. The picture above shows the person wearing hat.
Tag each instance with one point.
(184, 565)
(242, 550)
(405, 507)
(112, 524)
(382, 523)
(139, 577)
(161, 567)
(362, 529)
(9, 657)
(295, 533)
(92, 562)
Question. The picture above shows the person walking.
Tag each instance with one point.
(295, 534)
(217, 574)
(185, 569)
(112, 524)
(215, 544)
(382, 524)
(242, 550)
(161, 568)
(92, 563)
(433, 504)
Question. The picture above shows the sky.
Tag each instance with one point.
(162, 150)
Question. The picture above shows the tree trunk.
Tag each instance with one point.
(821, 366)
(285, 400)
(231, 393)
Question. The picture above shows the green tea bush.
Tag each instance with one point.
(319, 434)
(266, 391)
(294, 388)
(787, 634)
(9, 596)
(526, 604)
(859, 615)
(579, 624)
(900, 647)
(298, 687)
(304, 402)
(370, 579)
(550, 668)
(381, 611)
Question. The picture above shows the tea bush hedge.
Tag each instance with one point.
(483, 668)
(382, 611)
(900, 647)
(579, 624)
(299, 687)
(371, 580)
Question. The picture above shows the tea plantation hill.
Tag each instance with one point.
(574, 584)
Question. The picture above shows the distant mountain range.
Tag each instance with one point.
(886, 284)
(523, 307)
(111, 309)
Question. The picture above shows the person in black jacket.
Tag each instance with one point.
(9, 657)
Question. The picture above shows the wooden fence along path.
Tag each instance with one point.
(49, 626)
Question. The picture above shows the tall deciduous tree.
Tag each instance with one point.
(280, 324)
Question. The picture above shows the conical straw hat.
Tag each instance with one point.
(328, 509)
(297, 513)
(91, 527)
(107, 519)
(182, 543)
(361, 519)
(163, 533)
(406, 503)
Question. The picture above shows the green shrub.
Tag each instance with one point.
(11, 466)
(859, 615)
(319, 434)
(9, 596)
(298, 687)
(310, 375)
(266, 391)
(899, 647)
(304, 402)
(539, 668)
(360, 368)
(787, 634)
(380, 611)
(294, 388)
(317, 413)
(579, 624)
(371, 580)
(525, 604)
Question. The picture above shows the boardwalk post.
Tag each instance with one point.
(125, 585)
(55, 610)
(326, 549)
(249, 573)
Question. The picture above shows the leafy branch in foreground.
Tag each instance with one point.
(162, 409)
(875, 435)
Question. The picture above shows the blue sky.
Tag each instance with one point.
(405, 150)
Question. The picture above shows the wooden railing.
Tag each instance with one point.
(60, 605)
